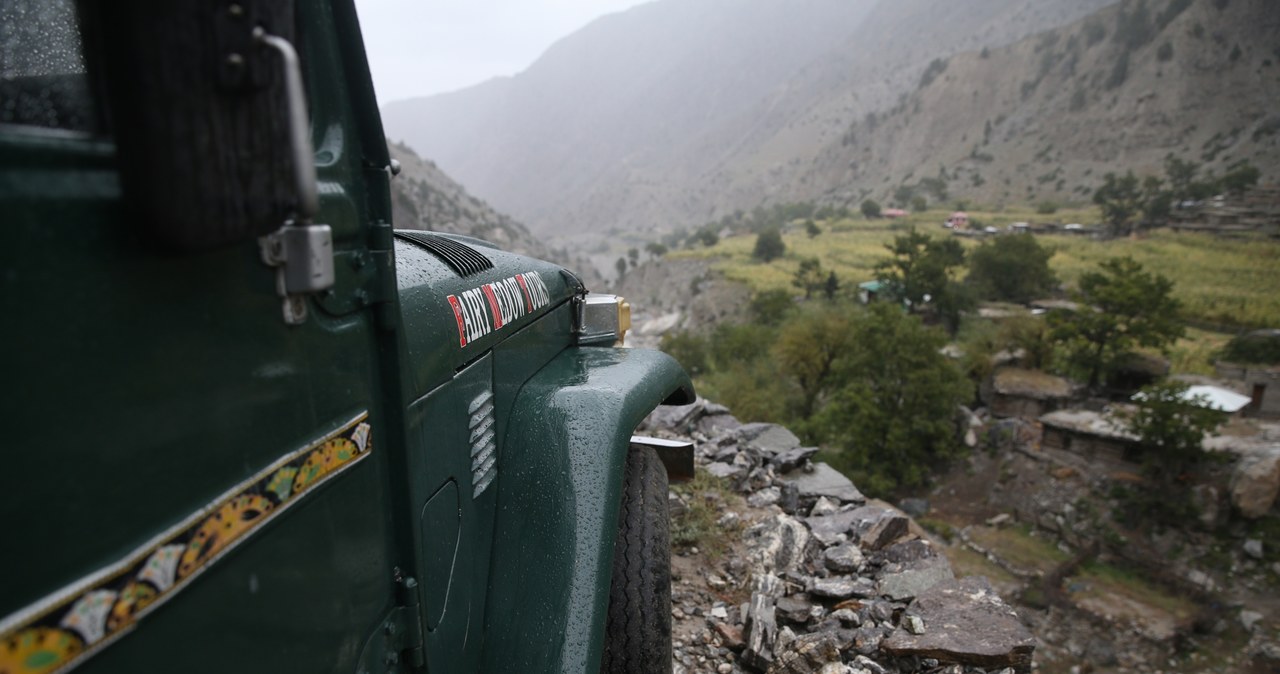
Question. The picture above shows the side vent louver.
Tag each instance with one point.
(460, 257)
(484, 451)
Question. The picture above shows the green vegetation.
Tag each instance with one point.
(769, 246)
(1170, 430)
(1253, 348)
(1012, 269)
(920, 273)
(870, 209)
(1122, 307)
(697, 524)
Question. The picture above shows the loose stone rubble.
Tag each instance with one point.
(827, 582)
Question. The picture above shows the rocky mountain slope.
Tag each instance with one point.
(674, 112)
(424, 197)
(1044, 118)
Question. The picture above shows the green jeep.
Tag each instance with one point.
(261, 430)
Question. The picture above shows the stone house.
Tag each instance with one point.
(1261, 384)
(1094, 435)
(1016, 392)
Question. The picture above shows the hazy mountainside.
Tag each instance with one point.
(1044, 118)
(672, 112)
(423, 197)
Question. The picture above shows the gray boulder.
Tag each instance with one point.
(975, 628)
(1255, 483)
(767, 439)
(824, 481)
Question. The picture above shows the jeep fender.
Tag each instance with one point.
(558, 498)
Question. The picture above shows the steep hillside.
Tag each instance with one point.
(673, 111)
(423, 197)
(1044, 118)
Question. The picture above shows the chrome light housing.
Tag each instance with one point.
(602, 319)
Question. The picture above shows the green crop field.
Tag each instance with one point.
(1232, 283)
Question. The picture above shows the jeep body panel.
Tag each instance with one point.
(193, 483)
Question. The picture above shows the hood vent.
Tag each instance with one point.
(460, 257)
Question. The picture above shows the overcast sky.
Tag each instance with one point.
(420, 47)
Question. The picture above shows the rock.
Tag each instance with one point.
(1000, 520)
(835, 668)
(823, 506)
(718, 424)
(768, 440)
(677, 418)
(914, 624)
(903, 552)
(729, 519)
(824, 481)
(792, 459)
(847, 617)
(915, 507)
(1208, 502)
(913, 582)
(794, 608)
(1250, 619)
(808, 654)
(777, 545)
(832, 529)
(981, 630)
(970, 438)
(843, 558)
(842, 587)
(1255, 483)
(790, 500)
(730, 635)
(881, 612)
(761, 630)
(867, 639)
(726, 471)
(1253, 548)
(884, 532)
(870, 665)
(765, 497)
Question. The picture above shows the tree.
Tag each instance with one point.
(811, 228)
(1011, 268)
(1121, 307)
(809, 277)
(633, 256)
(656, 249)
(870, 209)
(621, 266)
(891, 417)
(919, 203)
(1157, 202)
(831, 286)
(1241, 177)
(1170, 427)
(1120, 199)
(771, 307)
(769, 246)
(807, 350)
(920, 274)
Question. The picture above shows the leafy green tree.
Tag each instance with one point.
(769, 246)
(920, 273)
(1170, 427)
(1122, 307)
(1011, 268)
(809, 277)
(891, 416)
(633, 256)
(771, 307)
(621, 266)
(688, 348)
(870, 209)
(1121, 200)
(919, 203)
(903, 195)
(807, 350)
(1157, 202)
(656, 249)
(832, 286)
(811, 228)
(1241, 178)
(1261, 347)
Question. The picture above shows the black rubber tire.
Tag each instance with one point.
(638, 633)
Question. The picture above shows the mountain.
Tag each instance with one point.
(678, 111)
(424, 197)
(1046, 117)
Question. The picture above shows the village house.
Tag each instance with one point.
(1094, 435)
(1016, 392)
